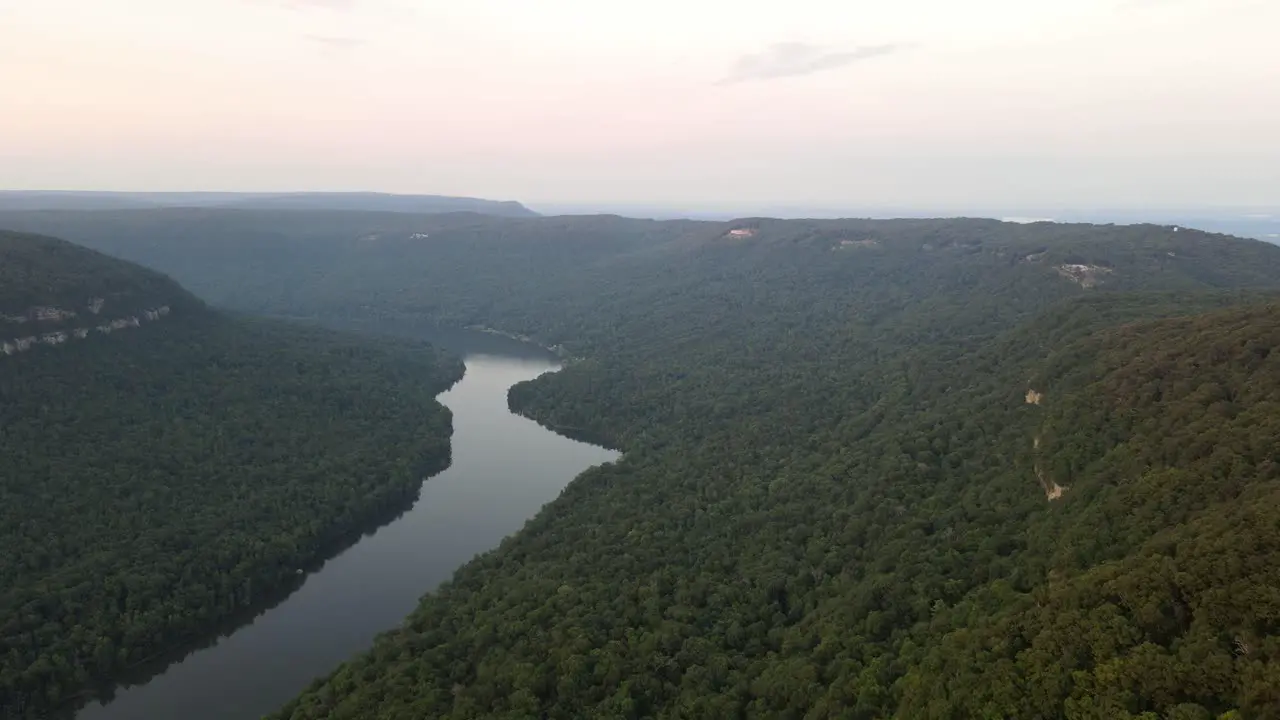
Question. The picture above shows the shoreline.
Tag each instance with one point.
(557, 350)
(155, 668)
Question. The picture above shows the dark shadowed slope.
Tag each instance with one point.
(166, 466)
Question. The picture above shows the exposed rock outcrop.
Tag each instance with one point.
(1086, 276)
(53, 338)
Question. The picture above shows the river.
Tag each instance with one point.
(504, 469)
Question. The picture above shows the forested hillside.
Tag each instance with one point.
(445, 266)
(913, 468)
(181, 468)
(552, 274)
(905, 562)
(1163, 589)
(848, 444)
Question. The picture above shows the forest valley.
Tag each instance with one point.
(941, 468)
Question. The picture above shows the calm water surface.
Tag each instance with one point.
(505, 468)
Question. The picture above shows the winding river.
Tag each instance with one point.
(505, 468)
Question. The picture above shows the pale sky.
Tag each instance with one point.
(819, 102)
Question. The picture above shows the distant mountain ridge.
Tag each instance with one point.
(357, 201)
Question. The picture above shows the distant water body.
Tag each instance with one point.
(504, 469)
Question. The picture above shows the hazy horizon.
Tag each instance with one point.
(924, 103)
(1253, 211)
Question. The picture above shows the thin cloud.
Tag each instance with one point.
(311, 4)
(793, 59)
(1215, 5)
(391, 9)
(1157, 3)
(336, 43)
(1144, 5)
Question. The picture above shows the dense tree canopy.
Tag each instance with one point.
(900, 559)
(913, 468)
(157, 480)
(835, 483)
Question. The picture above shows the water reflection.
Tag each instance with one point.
(504, 469)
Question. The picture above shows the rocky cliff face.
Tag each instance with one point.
(53, 293)
(50, 326)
